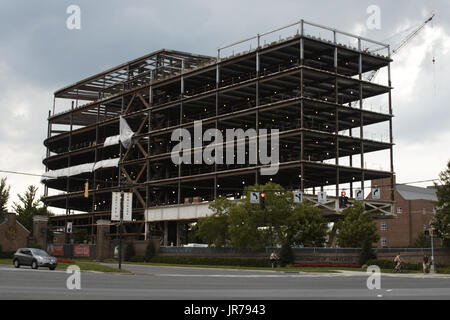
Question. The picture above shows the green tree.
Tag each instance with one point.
(252, 227)
(149, 251)
(213, 230)
(4, 197)
(30, 206)
(441, 220)
(246, 225)
(278, 209)
(130, 252)
(422, 241)
(305, 226)
(356, 227)
(286, 255)
(367, 252)
(193, 236)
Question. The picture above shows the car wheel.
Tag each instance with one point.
(34, 264)
(52, 268)
(16, 263)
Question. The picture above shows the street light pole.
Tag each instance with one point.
(120, 229)
(432, 269)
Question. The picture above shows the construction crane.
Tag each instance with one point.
(402, 44)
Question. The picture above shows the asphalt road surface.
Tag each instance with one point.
(175, 283)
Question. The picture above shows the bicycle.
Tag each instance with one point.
(399, 267)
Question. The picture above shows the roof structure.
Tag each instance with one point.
(416, 193)
(139, 71)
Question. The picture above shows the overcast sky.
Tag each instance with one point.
(39, 55)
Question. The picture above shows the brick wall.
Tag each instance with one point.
(342, 255)
(12, 234)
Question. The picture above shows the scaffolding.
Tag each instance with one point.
(311, 88)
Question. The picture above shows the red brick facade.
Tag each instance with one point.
(12, 234)
(412, 216)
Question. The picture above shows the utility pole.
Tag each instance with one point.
(117, 213)
(432, 269)
(120, 229)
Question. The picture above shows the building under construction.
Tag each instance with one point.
(309, 84)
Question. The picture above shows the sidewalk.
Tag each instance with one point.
(404, 275)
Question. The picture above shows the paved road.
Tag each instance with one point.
(148, 282)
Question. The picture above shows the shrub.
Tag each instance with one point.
(367, 253)
(137, 259)
(129, 252)
(325, 264)
(149, 251)
(286, 255)
(422, 241)
(387, 264)
(64, 260)
(383, 264)
(6, 255)
(212, 261)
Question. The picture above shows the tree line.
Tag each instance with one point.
(244, 225)
(28, 205)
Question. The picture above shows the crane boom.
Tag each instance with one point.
(412, 35)
(403, 43)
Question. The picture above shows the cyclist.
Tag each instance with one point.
(398, 263)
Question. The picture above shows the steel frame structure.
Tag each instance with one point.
(310, 88)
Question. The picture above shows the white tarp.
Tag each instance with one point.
(125, 133)
(125, 137)
(110, 163)
(111, 141)
(82, 168)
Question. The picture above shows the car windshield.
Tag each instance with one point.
(39, 252)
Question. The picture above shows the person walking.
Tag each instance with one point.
(425, 264)
(273, 259)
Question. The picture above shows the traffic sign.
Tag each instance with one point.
(359, 194)
(298, 196)
(376, 193)
(322, 197)
(254, 197)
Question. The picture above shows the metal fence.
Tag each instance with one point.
(211, 250)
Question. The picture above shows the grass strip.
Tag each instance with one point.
(83, 265)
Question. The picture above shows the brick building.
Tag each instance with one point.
(13, 235)
(414, 208)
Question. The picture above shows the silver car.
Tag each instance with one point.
(35, 258)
